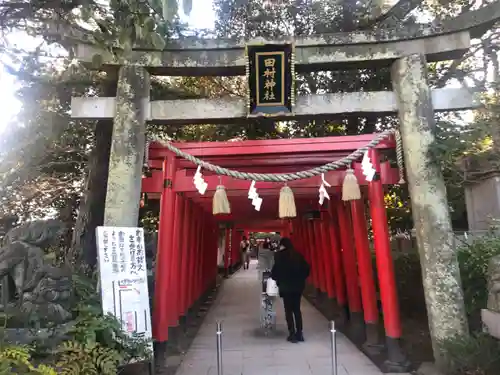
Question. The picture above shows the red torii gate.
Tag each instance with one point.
(336, 245)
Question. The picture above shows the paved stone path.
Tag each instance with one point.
(245, 352)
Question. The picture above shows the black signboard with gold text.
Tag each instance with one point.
(270, 72)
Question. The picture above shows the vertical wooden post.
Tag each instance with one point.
(310, 247)
(337, 256)
(327, 257)
(164, 254)
(365, 268)
(175, 274)
(184, 245)
(235, 248)
(351, 272)
(202, 251)
(298, 238)
(385, 270)
(227, 250)
(208, 245)
(319, 253)
(215, 233)
(194, 256)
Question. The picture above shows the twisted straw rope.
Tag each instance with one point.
(399, 157)
(277, 177)
(146, 153)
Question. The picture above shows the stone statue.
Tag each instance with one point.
(40, 289)
(494, 284)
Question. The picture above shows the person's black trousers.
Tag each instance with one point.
(293, 315)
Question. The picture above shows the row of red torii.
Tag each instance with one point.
(337, 245)
(188, 232)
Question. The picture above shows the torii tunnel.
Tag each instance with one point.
(336, 243)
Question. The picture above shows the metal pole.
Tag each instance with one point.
(334, 348)
(219, 348)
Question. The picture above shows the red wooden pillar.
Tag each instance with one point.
(318, 251)
(202, 251)
(164, 253)
(334, 235)
(230, 248)
(197, 255)
(215, 249)
(310, 252)
(190, 241)
(286, 228)
(236, 247)
(365, 269)
(385, 265)
(227, 250)
(185, 257)
(297, 237)
(298, 234)
(350, 269)
(192, 275)
(208, 245)
(327, 256)
(240, 238)
(175, 274)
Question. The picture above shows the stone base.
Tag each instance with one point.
(396, 360)
(145, 368)
(428, 368)
(372, 345)
(357, 327)
(491, 322)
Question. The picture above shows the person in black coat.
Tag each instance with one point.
(290, 272)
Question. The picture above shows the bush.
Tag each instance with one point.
(473, 260)
(96, 344)
(478, 354)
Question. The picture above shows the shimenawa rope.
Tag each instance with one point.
(277, 177)
(399, 157)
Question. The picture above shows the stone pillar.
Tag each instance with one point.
(440, 272)
(127, 147)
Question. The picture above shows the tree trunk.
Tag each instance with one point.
(83, 251)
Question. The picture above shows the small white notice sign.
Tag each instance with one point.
(124, 279)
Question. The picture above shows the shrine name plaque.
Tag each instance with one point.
(270, 74)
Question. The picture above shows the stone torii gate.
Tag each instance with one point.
(407, 51)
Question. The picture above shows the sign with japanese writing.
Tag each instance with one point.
(270, 72)
(123, 277)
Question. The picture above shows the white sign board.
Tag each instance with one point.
(123, 277)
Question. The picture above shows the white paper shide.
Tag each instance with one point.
(323, 193)
(367, 167)
(123, 274)
(254, 196)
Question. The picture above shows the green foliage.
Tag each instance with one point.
(473, 260)
(75, 358)
(97, 344)
(17, 360)
(478, 354)
(92, 328)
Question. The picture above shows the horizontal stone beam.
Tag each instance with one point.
(211, 111)
(203, 57)
(322, 56)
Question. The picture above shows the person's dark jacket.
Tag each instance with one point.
(290, 272)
